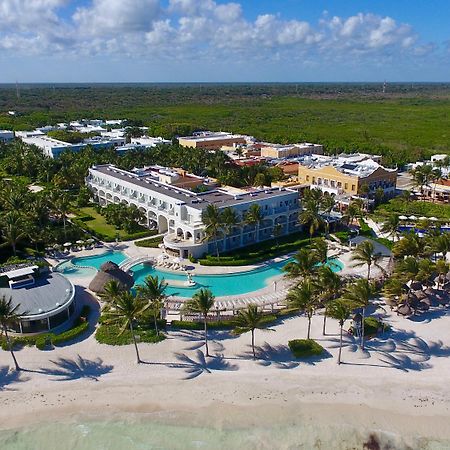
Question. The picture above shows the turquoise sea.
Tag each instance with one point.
(152, 435)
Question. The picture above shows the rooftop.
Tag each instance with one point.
(356, 164)
(48, 293)
(196, 200)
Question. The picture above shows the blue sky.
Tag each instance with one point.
(220, 40)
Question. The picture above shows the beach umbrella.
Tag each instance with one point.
(404, 310)
(422, 218)
(434, 219)
(90, 240)
(412, 218)
(403, 218)
(420, 295)
(423, 306)
(416, 286)
(67, 244)
(80, 241)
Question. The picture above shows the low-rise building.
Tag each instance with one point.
(280, 151)
(347, 174)
(168, 203)
(211, 140)
(6, 135)
(44, 300)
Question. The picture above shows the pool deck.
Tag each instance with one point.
(274, 293)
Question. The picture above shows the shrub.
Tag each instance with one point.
(71, 334)
(343, 236)
(303, 348)
(110, 335)
(196, 325)
(150, 243)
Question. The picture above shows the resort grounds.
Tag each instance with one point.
(393, 393)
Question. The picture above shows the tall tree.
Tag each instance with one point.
(254, 217)
(153, 292)
(13, 228)
(212, 220)
(360, 293)
(305, 298)
(201, 302)
(229, 219)
(365, 255)
(304, 264)
(250, 319)
(8, 315)
(125, 310)
(329, 285)
(340, 310)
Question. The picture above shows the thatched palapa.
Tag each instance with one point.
(110, 271)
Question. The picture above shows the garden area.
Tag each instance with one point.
(90, 219)
(259, 252)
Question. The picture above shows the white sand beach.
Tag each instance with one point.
(398, 387)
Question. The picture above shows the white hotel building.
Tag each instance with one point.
(177, 211)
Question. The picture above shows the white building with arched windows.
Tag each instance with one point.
(163, 195)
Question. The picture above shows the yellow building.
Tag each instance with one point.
(337, 176)
(290, 151)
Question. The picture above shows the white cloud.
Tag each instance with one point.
(196, 28)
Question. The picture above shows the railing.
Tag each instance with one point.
(133, 261)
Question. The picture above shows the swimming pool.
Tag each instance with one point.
(88, 265)
(220, 285)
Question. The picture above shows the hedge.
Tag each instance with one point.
(110, 335)
(43, 340)
(303, 348)
(268, 319)
(150, 243)
(261, 251)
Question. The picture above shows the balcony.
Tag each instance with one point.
(173, 241)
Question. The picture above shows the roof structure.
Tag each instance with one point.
(196, 200)
(49, 292)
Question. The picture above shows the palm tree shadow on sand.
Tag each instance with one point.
(8, 377)
(398, 349)
(198, 364)
(73, 369)
(279, 356)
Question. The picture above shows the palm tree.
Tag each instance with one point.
(327, 204)
(250, 319)
(111, 290)
(359, 293)
(14, 229)
(229, 219)
(340, 310)
(277, 232)
(201, 302)
(310, 216)
(212, 220)
(329, 284)
(62, 206)
(153, 291)
(320, 249)
(364, 254)
(305, 298)
(125, 310)
(254, 217)
(304, 264)
(9, 315)
(353, 212)
(390, 226)
(409, 245)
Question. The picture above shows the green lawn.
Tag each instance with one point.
(90, 219)
(259, 252)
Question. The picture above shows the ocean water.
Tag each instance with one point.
(152, 435)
